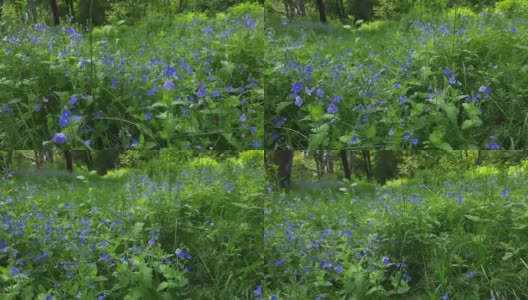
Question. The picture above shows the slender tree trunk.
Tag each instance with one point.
(69, 160)
(69, 5)
(340, 10)
(346, 166)
(329, 161)
(284, 160)
(367, 164)
(322, 10)
(55, 12)
(302, 8)
(9, 158)
(479, 158)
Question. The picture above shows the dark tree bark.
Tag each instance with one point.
(302, 8)
(69, 4)
(9, 158)
(318, 157)
(340, 9)
(329, 161)
(367, 164)
(322, 10)
(181, 6)
(69, 160)
(49, 156)
(479, 158)
(346, 166)
(55, 12)
(284, 160)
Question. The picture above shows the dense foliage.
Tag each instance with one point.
(171, 229)
(449, 80)
(442, 234)
(179, 82)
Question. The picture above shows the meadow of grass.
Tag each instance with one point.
(171, 229)
(438, 235)
(183, 81)
(450, 80)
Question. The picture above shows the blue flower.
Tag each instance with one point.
(59, 138)
(258, 290)
(391, 132)
(168, 85)
(332, 108)
(73, 101)
(484, 89)
(14, 271)
(469, 275)
(297, 87)
(298, 101)
(339, 269)
(243, 118)
(397, 86)
(38, 107)
(385, 260)
(153, 91)
(414, 141)
(202, 92)
(320, 93)
(447, 72)
(452, 80)
(148, 116)
(170, 71)
(65, 118)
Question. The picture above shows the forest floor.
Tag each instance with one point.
(180, 230)
(436, 236)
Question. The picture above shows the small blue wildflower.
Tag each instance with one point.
(168, 85)
(296, 88)
(332, 108)
(59, 138)
(298, 101)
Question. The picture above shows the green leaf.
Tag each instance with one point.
(445, 146)
(467, 124)
(162, 286)
(282, 105)
(472, 218)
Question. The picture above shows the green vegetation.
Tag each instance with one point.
(186, 81)
(429, 78)
(451, 231)
(178, 226)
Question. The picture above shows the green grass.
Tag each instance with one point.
(460, 233)
(452, 80)
(120, 236)
(180, 82)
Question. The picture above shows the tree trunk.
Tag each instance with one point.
(340, 9)
(9, 158)
(346, 166)
(329, 161)
(322, 10)
(55, 12)
(367, 164)
(302, 8)
(479, 158)
(69, 160)
(181, 6)
(69, 5)
(1, 8)
(283, 159)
